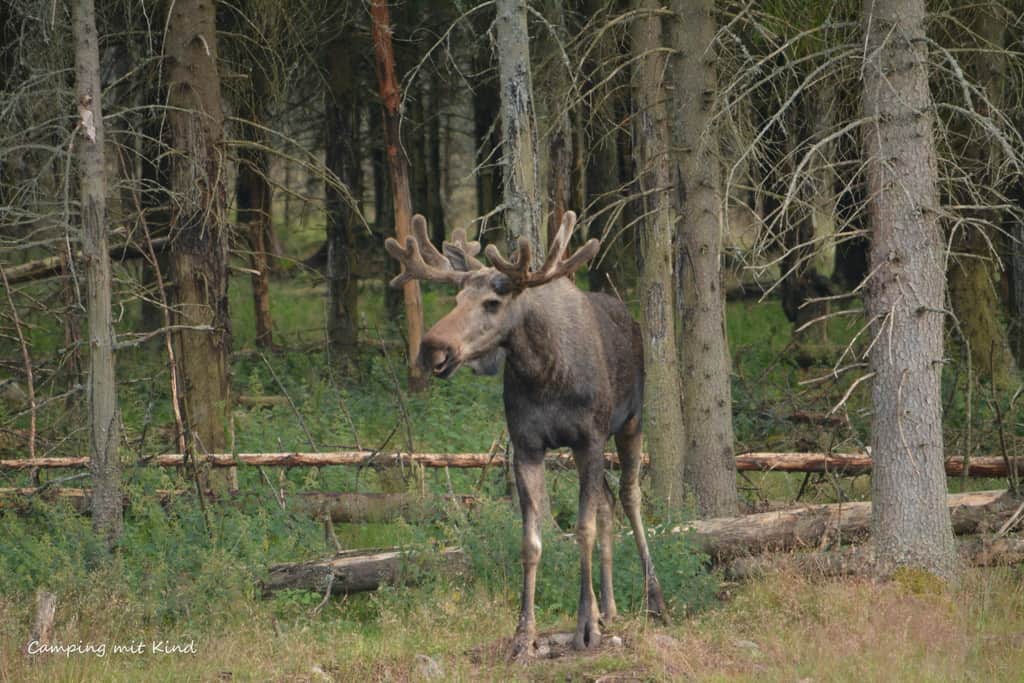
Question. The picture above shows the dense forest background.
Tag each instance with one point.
(220, 177)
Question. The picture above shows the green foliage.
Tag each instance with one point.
(491, 537)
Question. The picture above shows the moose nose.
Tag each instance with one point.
(435, 355)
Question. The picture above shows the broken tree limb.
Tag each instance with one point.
(845, 464)
(356, 571)
(459, 460)
(812, 526)
(52, 266)
(860, 463)
(976, 551)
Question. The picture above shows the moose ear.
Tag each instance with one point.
(457, 257)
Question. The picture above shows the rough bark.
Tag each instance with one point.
(707, 400)
(398, 169)
(199, 232)
(253, 201)
(663, 413)
(905, 298)
(104, 432)
(554, 117)
(341, 132)
(974, 266)
(522, 194)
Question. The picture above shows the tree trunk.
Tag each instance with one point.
(707, 405)
(254, 201)
(663, 413)
(554, 117)
(974, 268)
(104, 434)
(199, 232)
(905, 302)
(341, 132)
(523, 212)
(398, 167)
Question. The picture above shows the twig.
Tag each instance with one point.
(298, 415)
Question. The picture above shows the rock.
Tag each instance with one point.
(428, 668)
(562, 639)
(615, 641)
(750, 646)
(543, 651)
(319, 674)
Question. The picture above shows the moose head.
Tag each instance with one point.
(487, 306)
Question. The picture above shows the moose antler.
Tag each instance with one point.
(556, 265)
(421, 260)
(462, 251)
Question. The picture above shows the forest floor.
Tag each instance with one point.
(181, 602)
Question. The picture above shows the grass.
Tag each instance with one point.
(173, 583)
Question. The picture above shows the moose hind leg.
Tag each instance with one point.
(590, 465)
(605, 523)
(529, 473)
(627, 443)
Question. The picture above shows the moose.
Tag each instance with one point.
(573, 377)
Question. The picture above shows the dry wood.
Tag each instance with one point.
(848, 464)
(860, 463)
(355, 571)
(725, 538)
(978, 551)
(53, 266)
(42, 625)
(460, 460)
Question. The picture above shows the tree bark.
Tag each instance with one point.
(104, 432)
(254, 202)
(663, 413)
(199, 232)
(707, 404)
(522, 198)
(398, 167)
(905, 298)
(343, 157)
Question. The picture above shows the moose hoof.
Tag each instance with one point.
(524, 648)
(588, 635)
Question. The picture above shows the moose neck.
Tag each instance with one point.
(542, 347)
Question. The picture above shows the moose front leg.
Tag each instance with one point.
(529, 471)
(590, 465)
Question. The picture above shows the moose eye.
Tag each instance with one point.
(492, 305)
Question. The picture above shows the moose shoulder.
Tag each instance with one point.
(573, 377)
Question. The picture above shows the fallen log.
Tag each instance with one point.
(52, 266)
(842, 464)
(18, 498)
(357, 570)
(860, 463)
(859, 560)
(456, 460)
(811, 526)
(261, 401)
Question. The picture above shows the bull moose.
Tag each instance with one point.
(574, 376)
